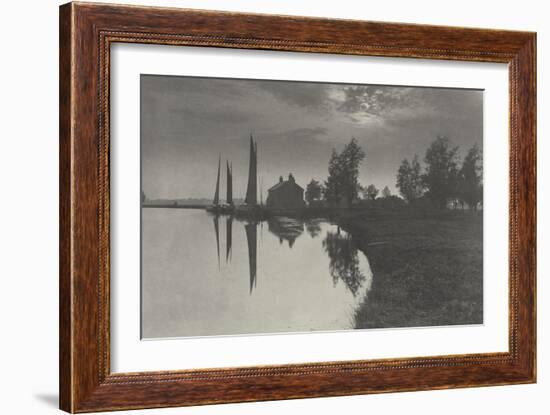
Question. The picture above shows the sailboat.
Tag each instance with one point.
(251, 209)
(229, 206)
(216, 202)
(216, 206)
(251, 198)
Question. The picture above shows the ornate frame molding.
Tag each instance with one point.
(86, 34)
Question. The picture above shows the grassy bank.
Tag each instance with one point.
(427, 267)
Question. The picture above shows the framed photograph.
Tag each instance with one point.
(258, 207)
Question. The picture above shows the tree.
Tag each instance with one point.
(471, 177)
(351, 158)
(409, 180)
(386, 193)
(404, 179)
(332, 188)
(313, 191)
(416, 178)
(370, 192)
(342, 181)
(441, 177)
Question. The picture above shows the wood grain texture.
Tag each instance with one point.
(65, 247)
(86, 33)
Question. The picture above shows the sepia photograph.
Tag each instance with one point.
(275, 206)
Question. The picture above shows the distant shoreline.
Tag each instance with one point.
(333, 213)
(174, 206)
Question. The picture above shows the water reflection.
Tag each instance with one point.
(251, 239)
(313, 227)
(302, 275)
(217, 231)
(228, 237)
(343, 253)
(286, 229)
(344, 260)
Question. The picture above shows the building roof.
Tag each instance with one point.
(283, 183)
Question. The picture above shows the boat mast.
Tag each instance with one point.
(217, 192)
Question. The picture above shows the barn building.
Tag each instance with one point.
(286, 194)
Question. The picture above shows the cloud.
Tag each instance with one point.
(302, 133)
(311, 96)
(213, 114)
(367, 104)
(373, 99)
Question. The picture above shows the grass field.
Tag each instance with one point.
(427, 267)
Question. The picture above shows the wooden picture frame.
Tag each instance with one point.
(86, 33)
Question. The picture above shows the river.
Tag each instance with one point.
(207, 275)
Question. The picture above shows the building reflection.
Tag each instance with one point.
(344, 256)
(286, 229)
(313, 228)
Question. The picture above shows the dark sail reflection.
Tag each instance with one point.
(344, 260)
(228, 237)
(217, 230)
(286, 229)
(344, 256)
(251, 239)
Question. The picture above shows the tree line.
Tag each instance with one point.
(444, 179)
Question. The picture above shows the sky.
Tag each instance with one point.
(188, 122)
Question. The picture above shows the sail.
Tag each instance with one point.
(229, 184)
(261, 192)
(251, 192)
(217, 192)
(251, 239)
(255, 186)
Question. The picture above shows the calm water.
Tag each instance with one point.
(203, 275)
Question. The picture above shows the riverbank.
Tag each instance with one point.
(427, 267)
